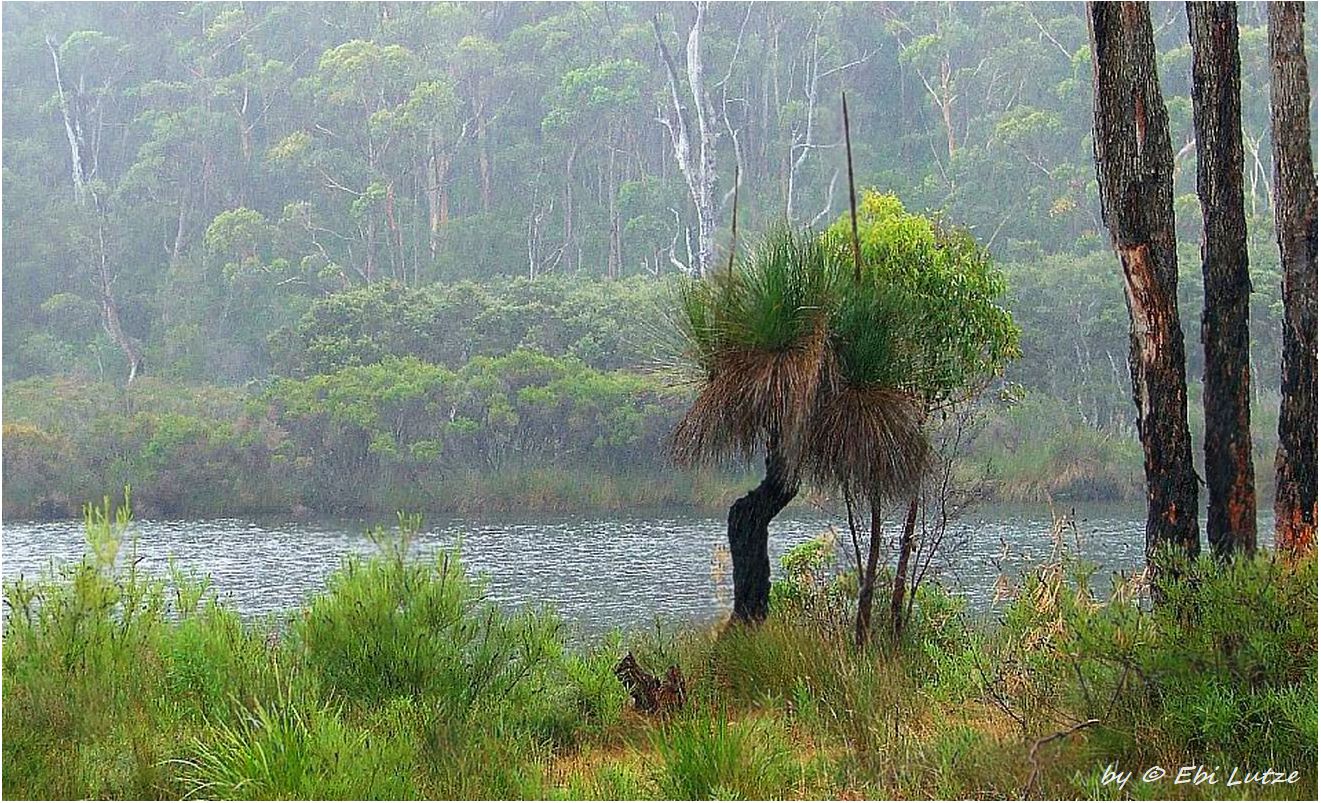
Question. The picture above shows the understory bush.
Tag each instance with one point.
(706, 756)
(1223, 668)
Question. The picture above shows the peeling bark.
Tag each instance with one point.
(1231, 524)
(1134, 169)
(1295, 229)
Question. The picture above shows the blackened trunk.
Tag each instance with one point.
(1231, 523)
(1295, 229)
(749, 518)
(900, 588)
(1135, 172)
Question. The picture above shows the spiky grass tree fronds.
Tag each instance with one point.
(866, 436)
(874, 330)
(753, 396)
(868, 442)
(779, 292)
(758, 336)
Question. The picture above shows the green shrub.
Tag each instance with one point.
(707, 756)
(1223, 666)
(286, 751)
(104, 668)
(387, 627)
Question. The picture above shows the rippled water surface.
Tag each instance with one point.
(599, 571)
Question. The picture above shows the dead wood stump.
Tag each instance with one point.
(650, 694)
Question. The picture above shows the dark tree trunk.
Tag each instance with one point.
(1231, 523)
(867, 583)
(749, 518)
(1295, 228)
(901, 572)
(1135, 171)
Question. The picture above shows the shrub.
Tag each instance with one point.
(388, 627)
(286, 751)
(707, 756)
(1224, 665)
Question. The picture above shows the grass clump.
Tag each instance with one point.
(300, 752)
(707, 756)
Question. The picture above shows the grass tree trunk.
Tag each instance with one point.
(1231, 524)
(1295, 229)
(906, 543)
(867, 582)
(749, 519)
(1135, 170)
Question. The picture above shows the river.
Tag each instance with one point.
(599, 571)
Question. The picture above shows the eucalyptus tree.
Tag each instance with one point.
(1134, 168)
(88, 67)
(594, 107)
(690, 121)
(350, 147)
(1231, 524)
(1296, 231)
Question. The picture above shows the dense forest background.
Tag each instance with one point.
(365, 249)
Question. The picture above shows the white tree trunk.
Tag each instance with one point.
(694, 140)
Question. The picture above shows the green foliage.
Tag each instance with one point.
(1222, 666)
(1035, 449)
(810, 582)
(776, 296)
(106, 668)
(841, 367)
(289, 752)
(937, 286)
(299, 168)
(374, 436)
(706, 756)
(390, 627)
(607, 325)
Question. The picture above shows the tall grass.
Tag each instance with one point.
(706, 756)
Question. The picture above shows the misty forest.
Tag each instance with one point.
(700, 400)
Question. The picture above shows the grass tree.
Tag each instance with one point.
(757, 335)
(831, 372)
(936, 294)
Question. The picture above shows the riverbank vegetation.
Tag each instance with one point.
(399, 680)
(558, 436)
(517, 421)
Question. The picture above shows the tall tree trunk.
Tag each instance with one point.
(749, 519)
(109, 309)
(1231, 524)
(1134, 169)
(102, 278)
(1295, 229)
(693, 137)
(484, 164)
(72, 130)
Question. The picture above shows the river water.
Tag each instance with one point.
(599, 571)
